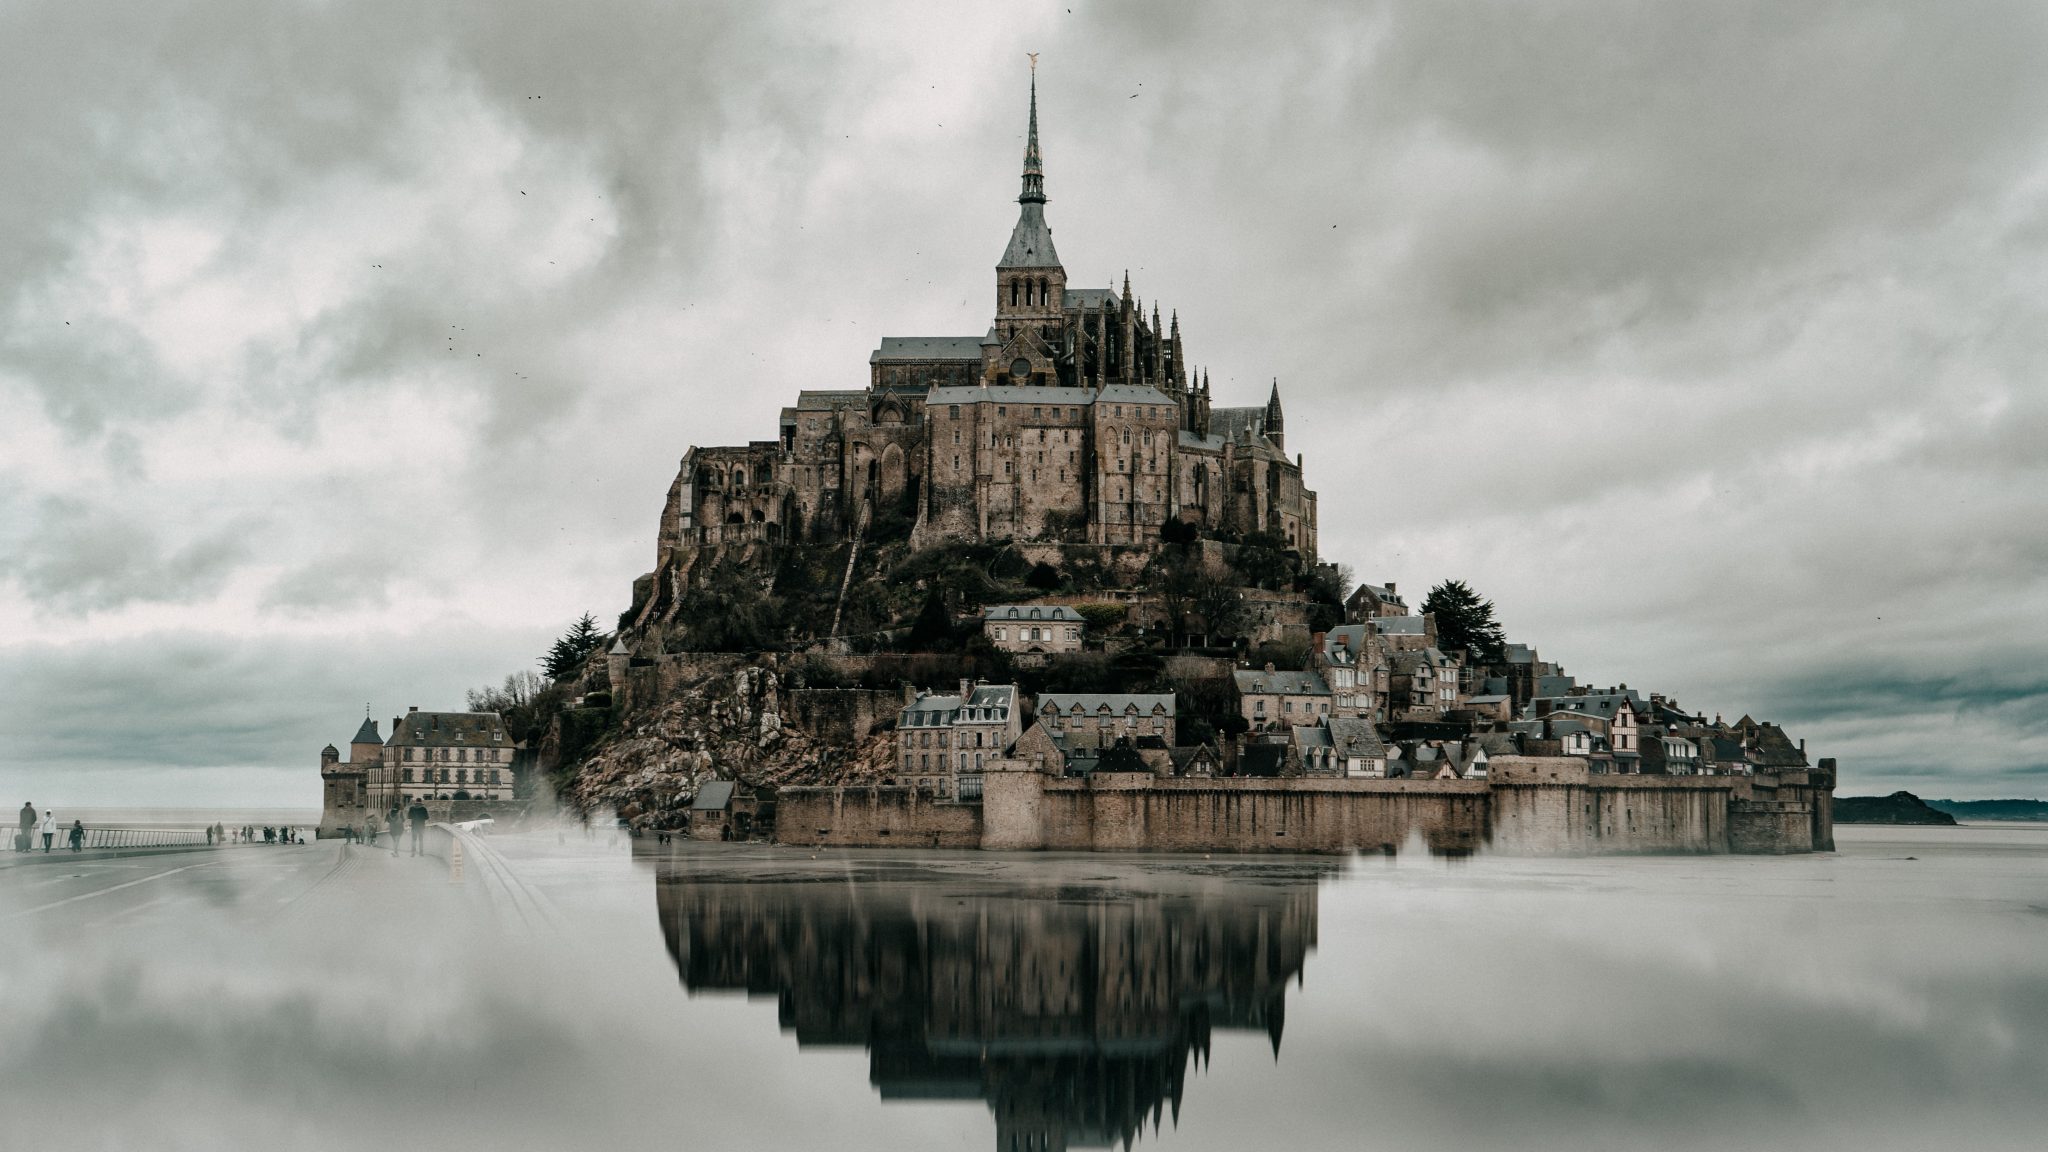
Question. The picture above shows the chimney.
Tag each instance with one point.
(1390, 586)
(412, 708)
(1269, 666)
(966, 689)
(394, 726)
(909, 693)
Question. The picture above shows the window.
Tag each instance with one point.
(953, 410)
(408, 776)
(1036, 413)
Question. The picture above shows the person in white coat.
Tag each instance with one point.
(48, 828)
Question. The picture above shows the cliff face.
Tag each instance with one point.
(722, 726)
(1897, 808)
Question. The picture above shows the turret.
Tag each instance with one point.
(1276, 425)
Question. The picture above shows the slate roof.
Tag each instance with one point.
(914, 348)
(451, 730)
(1400, 625)
(1356, 738)
(1344, 643)
(1092, 703)
(1237, 423)
(1604, 705)
(936, 711)
(1250, 683)
(1090, 299)
(1410, 661)
(1030, 241)
(827, 401)
(1520, 654)
(1311, 736)
(1261, 759)
(1030, 612)
(713, 796)
(1487, 699)
(367, 734)
(1554, 685)
(1037, 394)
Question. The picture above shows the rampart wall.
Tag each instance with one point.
(1137, 812)
(1530, 806)
(876, 816)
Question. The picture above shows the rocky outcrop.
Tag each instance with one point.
(730, 725)
(1897, 808)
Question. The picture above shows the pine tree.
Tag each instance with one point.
(568, 653)
(1464, 620)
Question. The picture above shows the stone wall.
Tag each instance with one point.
(1139, 812)
(846, 715)
(1770, 827)
(1531, 806)
(877, 816)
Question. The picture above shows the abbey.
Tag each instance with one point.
(1075, 418)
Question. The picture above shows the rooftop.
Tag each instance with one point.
(914, 348)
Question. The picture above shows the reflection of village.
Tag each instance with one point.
(1073, 1009)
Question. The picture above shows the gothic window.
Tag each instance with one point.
(1044, 292)
(1013, 293)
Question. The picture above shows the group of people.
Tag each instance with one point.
(46, 827)
(250, 834)
(393, 824)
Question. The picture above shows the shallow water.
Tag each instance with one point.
(566, 994)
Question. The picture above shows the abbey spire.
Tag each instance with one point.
(1031, 241)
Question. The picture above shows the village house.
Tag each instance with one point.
(1423, 685)
(1047, 629)
(1609, 714)
(1405, 633)
(1372, 601)
(1273, 701)
(945, 740)
(447, 756)
(1352, 661)
(1098, 719)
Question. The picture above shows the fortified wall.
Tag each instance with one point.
(1529, 806)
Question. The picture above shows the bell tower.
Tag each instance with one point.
(1030, 284)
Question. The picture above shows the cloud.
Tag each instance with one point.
(1699, 340)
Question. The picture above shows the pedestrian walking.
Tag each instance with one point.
(394, 821)
(418, 815)
(49, 830)
(370, 830)
(78, 835)
(25, 842)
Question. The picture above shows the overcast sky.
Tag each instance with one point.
(347, 351)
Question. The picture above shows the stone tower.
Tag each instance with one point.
(1276, 424)
(1030, 284)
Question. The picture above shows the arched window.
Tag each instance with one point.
(1044, 293)
(1013, 293)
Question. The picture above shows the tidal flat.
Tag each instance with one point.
(559, 991)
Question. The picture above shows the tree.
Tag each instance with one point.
(1464, 620)
(932, 631)
(573, 648)
(727, 612)
(517, 692)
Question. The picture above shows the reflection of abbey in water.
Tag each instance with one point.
(1073, 1010)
